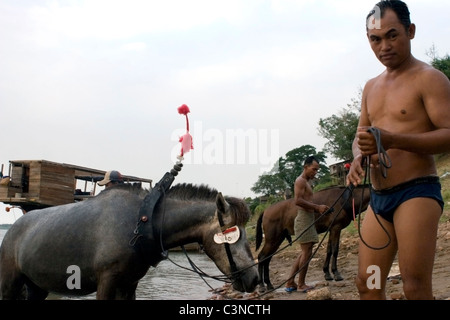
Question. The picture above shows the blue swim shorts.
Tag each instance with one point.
(384, 202)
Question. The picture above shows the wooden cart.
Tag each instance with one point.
(34, 184)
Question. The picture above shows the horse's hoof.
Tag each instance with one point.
(262, 289)
(338, 277)
(328, 277)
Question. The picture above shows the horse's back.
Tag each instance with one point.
(280, 216)
(276, 210)
(328, 195)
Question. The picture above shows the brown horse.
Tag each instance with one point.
(277, 224)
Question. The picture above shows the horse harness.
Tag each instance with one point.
(149, 203)
(229, 235)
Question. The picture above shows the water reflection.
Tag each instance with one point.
(170, 282)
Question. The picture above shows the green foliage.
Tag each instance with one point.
(340, 130)
(446, 196)
(252, 203)
(287, 169)
(291, 166)
(442, 64)
(351, 229)
(262, 206)
(269, 184)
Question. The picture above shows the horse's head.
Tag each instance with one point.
(228, 246)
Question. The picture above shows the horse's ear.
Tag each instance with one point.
(221, 203)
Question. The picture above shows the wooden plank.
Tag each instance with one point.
(3, 192)
(56, 184)
(35, 179)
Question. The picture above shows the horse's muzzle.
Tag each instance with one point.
(246, 280)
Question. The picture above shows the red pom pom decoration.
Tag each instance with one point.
(183, 109)
(186, 140)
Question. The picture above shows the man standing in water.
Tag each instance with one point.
(406, 111)
(304, 226)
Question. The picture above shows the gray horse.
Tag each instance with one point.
(97, 245)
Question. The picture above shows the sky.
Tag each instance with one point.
(98, 83)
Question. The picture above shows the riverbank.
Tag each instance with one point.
(347, 264)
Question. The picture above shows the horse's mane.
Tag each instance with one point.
(188, 191)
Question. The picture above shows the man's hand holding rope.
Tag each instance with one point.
(368, 144)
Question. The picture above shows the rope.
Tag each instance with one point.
(331, 210)
(383, 157)
(385, 163)
(225, 278)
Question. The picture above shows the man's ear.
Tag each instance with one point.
(412, 31)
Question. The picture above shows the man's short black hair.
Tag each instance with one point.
(309, 160)
(399, 7)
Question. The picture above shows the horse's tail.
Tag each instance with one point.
(287, 236)
(259, 231)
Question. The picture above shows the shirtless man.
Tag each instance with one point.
(304, 227)
(408, 108)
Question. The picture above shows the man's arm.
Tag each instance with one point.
(356, 170)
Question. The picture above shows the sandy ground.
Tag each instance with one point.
(347, 265)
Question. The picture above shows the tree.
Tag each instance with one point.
(442, 64)
(269, 183)
(287, 169)
(340, 130)
(291, 166)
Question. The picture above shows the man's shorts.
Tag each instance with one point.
(384, 202)
(304, 227)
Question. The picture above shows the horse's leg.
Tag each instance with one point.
(261, 262)
(106, 286)
(13, 291)
(127, 292)
(263, 268)
(264, 258)
(326, 264)
(335, 249)
(269, 253)
(267, 273)
(12, 284)
(34, 292)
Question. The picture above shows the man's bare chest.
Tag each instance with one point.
(390, 103)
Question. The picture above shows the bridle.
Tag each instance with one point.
(226, 241)
(227, 236)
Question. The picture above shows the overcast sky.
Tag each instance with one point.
(98, 83)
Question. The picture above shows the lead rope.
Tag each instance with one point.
(317, 247)
(383, 157)
(384, 163)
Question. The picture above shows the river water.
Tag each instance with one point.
(169, 281)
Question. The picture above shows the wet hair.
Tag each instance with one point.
(399, 7)
(309, 160)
